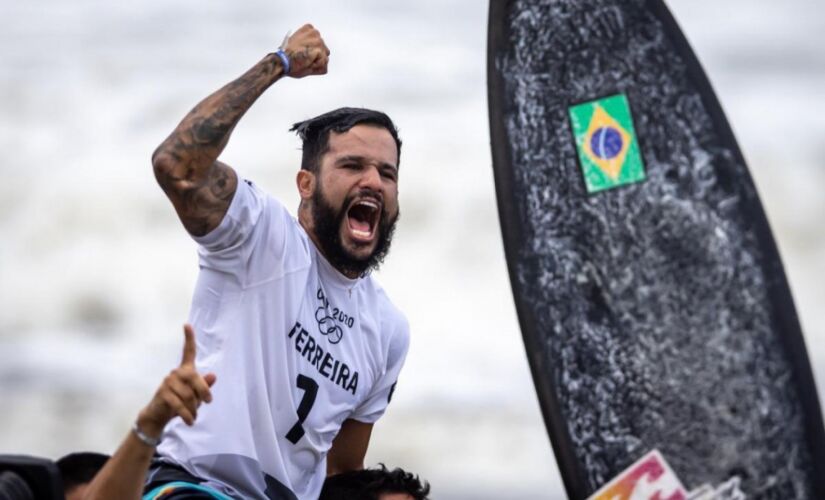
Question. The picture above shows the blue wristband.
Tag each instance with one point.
(284, 60)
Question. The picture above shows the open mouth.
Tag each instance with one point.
(362, 219)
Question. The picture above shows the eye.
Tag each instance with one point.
(388, 173)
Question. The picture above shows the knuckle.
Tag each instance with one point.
(170, 401)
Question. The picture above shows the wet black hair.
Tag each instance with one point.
(370, 484)
(80, 468)
(315, 132)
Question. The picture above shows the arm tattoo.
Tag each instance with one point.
(186, 165)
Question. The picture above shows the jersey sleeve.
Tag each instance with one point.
(252, 218)
(379, 397)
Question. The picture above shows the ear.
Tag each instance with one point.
(305, 180)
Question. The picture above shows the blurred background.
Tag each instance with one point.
(96, 271)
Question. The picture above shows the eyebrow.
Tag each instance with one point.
(362, 159)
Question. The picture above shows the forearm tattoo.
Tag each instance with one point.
(186, 165)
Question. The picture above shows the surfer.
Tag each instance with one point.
(307, 345)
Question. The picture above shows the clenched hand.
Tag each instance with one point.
(307, 52)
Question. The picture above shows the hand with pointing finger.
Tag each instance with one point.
(180, 393)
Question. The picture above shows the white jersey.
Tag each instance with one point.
(297, 349)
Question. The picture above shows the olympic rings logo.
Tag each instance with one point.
(327, 325)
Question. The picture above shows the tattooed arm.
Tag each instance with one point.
(186, 164)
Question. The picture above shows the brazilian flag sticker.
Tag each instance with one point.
(606, 142)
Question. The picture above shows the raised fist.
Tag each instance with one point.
(308, 55)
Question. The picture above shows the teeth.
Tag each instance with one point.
(368, 203)
(362, 234)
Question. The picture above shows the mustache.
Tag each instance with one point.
(363, 192)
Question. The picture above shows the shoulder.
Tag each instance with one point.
(394, 324)
(385, 306)
(270, 215)
(258, 240)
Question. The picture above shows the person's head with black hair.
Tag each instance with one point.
(314, 133)
(375, 484)
(78, 470)
(348, 184)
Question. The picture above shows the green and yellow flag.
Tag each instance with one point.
(607, 145)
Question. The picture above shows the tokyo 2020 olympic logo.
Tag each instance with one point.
(328, 322)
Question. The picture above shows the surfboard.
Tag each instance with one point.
(650, 293)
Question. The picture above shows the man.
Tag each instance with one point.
(77, 470)
(375, 484)
(124, 474)
(307, 345)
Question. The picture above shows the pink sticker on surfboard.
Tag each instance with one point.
(649, 478)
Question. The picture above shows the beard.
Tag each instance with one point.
(327, 222)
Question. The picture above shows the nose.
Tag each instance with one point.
(371, 179)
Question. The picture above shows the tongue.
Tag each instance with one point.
(359, 225)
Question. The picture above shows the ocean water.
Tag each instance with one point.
(96, 272)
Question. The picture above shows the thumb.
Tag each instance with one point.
(210, 379)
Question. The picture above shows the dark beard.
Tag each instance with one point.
(327, 223)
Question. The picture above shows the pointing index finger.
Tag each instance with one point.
(189, 348)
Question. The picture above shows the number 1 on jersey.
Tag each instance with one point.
(310, 388)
